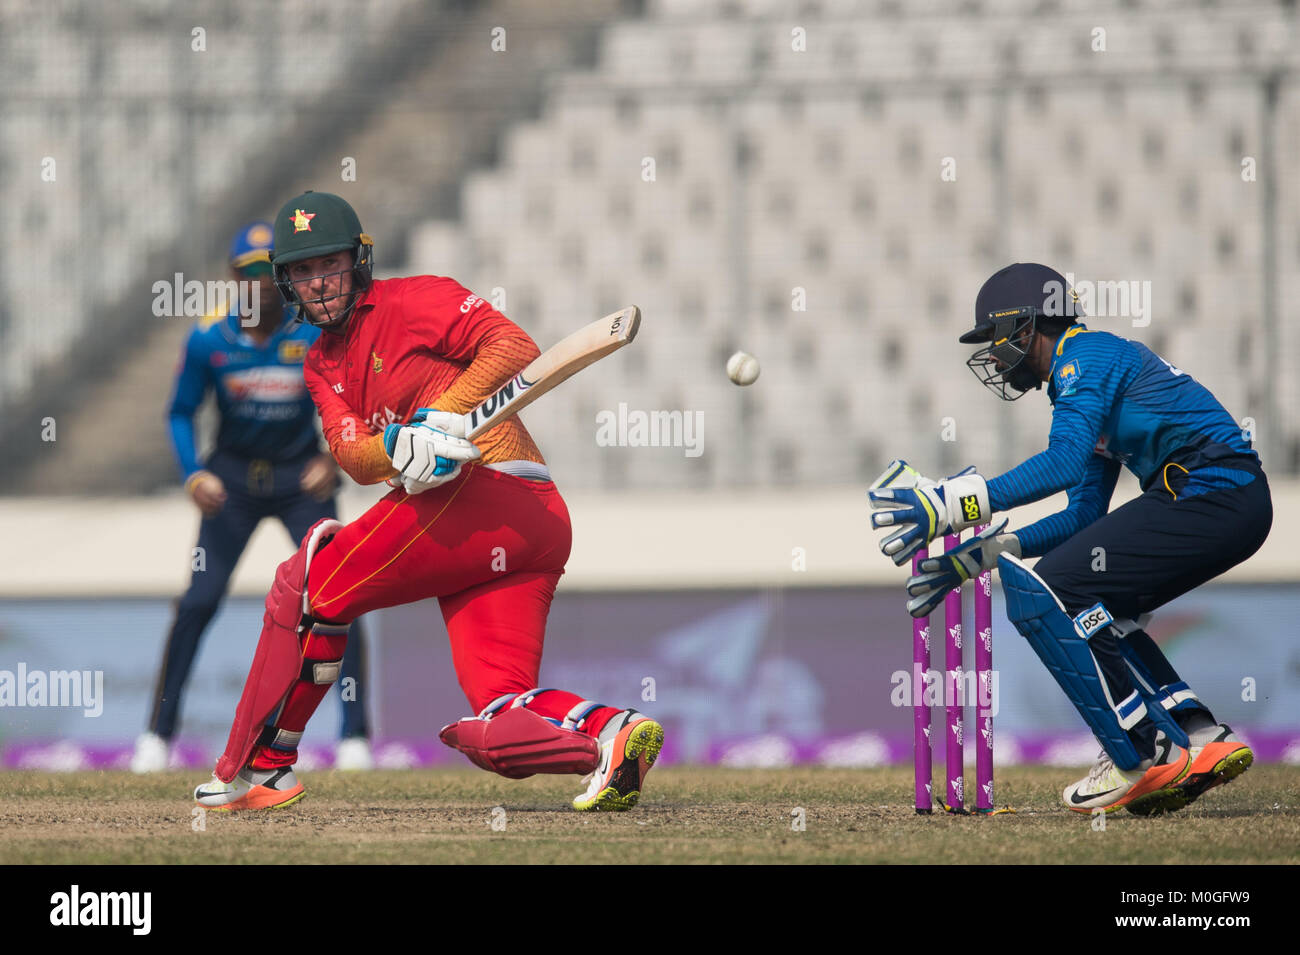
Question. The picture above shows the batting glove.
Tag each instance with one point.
(940, 575)
(430, 450)
(445, 421)
(925, 512)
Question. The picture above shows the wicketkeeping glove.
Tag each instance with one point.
(949, 570)
(430, 450)
(898, 473)
(927, 511)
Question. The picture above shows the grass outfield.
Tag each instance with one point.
(688, 815)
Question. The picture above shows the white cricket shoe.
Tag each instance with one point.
(1147, 790)
(151, 753)
(251, 789)
(354, 754)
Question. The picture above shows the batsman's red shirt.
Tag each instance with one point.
(414, 343)
(490, 545)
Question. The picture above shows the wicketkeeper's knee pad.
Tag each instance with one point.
(278, 660)
(1061, 642)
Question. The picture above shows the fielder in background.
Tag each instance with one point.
(267, 462)
(1205, 507)
(479, 526)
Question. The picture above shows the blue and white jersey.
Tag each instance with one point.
(265, 410)
(1115, 402)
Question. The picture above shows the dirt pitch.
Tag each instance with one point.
(688, 815)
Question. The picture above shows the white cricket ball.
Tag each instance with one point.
(742, 368)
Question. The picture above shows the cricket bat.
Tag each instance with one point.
(557, 364)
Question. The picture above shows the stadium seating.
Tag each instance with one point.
(797, 210)
(755, 174)
(109, 93)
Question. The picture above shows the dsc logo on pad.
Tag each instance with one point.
(1092, 620)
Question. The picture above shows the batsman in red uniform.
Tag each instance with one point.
(478, 525)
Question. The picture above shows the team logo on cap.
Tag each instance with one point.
(259, 235)
(302, 220)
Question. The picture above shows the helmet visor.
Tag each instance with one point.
(324, 298)
(1000, 365)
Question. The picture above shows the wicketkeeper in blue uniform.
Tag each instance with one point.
(268, 462)
(1205, 507)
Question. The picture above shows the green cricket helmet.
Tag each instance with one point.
(314, 224)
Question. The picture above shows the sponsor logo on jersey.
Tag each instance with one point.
(382, 419)
(1102, 447)
(302, 220)
(273, 383)
(293, 351)
(376, 362)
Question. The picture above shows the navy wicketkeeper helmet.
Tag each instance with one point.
(1008, 309)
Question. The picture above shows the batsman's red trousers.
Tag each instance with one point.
(490, 546)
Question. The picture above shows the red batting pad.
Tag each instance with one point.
(276, 662)
(518, 743)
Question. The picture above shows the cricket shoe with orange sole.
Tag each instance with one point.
(251, 789)
(629, 746)
(1150, 789)
(1218, 756)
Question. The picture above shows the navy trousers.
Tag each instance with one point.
(1185, 529)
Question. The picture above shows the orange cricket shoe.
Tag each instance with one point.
(1222, 758)
(1148, 790)
(625, 758)
(251, 789)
